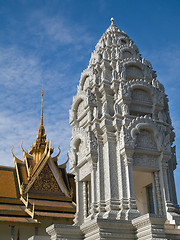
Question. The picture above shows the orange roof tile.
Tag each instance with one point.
(17, 219)
(54, 214)
(53, 205)
(23, 174)
(12, 207)
(7, 183)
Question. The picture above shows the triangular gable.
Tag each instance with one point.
(46, 182)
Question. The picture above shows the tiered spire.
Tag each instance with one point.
(42, 107)
(41, 132)
(41, 137)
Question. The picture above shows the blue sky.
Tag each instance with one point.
(50, 42)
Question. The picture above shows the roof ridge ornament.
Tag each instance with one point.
(15, 158)
(25, 154)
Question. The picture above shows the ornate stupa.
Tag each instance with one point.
(122, 152)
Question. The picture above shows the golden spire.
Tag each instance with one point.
(42, 107)
(40, 143)
(41, 133)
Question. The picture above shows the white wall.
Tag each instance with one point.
(141, 180)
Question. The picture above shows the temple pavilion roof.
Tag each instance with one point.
(37, 187)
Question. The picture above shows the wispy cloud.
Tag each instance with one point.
(18, 68)
(20, 83)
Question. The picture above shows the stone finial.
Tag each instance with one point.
(112, 21)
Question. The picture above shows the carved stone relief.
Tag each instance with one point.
(141, 95)
(145, 140)
(145, 160)
(80, 108)
(134, 72)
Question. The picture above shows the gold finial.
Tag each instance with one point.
(42, 107)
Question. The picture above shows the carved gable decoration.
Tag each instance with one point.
(46, 181)
(145, 140)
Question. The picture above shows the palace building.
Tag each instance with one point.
(121, 155)
(36, 193)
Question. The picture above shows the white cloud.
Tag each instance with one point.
(18, 68)
(56, 31)
(21, 75)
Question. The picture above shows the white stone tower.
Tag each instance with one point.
(121, 148)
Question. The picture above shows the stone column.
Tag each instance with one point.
(129, 177)
(173, 188)
(110, 173)
(170, 207)
(132, 212)
(165, 180)
(100, 178)
(79, 201)
(94, 189)
(158, 196)
(84, 199)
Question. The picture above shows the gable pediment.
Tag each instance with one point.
(46, 182)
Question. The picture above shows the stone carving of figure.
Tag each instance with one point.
(125, 109)
(93, 142)
(113, 55)
(155, 83)
(115, 75)
(166, 143)
(105, 55)
(163, 116)
(160, 116)
(128, 141)
(116, 109)
(95, 113)
(91, 98)
(123, 73)
(105, 109)
(125, 91)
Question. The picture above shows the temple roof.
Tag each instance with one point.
(37, 187)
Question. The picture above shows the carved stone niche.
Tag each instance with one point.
(133, 71)
(146, 152)
(145, 140)
(141, 102)
(126, 53)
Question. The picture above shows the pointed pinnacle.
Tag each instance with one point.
(112, 21)
(42, 108)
